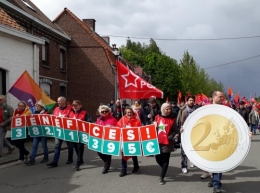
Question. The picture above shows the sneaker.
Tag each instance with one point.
(69, 161)
(10, 151)
(135, 169)
(19, 162)
(123, 173)
(44, 160)
(210, 184)
(205, 175)
(26, 157)
(217, 190)
(52, 164)
(76, 168)
(104, 171)
(191, 165)
(161, 181)
(30, 162)
(184, 170)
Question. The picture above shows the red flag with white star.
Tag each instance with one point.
(131, 86)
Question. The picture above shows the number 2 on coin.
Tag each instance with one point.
(207, 125)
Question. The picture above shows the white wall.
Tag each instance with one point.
(16, 56)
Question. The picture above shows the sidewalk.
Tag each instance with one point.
(28, 145)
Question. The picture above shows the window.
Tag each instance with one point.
(45, 53)
(28, 5)
(46, 87)
(63, 91)
(62, 59)
(2, 82)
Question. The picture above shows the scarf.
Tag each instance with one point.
(190, 110)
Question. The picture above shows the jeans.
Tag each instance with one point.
(58, 143)
(79, 148)
(3, 141)
(19, 143)
(216, 181)
(135, 163)
(163, 160)
(36, 141)
(253, 128)
(184, 159)
(106, 159)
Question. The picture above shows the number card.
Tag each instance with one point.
(47, 125)
(131, 141)
(18, 128)
(83, 129)
(34, 125)
(149, 139)
(111, 141)
(58, 127)
(95, 137)
(70, 130)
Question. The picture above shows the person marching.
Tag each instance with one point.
(129, 120)
(167, 133)
(105, 119)
(22, 109)
(39, 109)
(61, 111)
(78, 113)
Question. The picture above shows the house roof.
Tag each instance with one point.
(34, 11)
(7, 20)
(94, 35)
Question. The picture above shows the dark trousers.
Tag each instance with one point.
(184, 159)
(106, 159)
(163, 160)
(216, 181)
(79, 148)
(135, 163)
(19, 143)
(58, 143)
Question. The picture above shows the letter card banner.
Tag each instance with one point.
(149, 138)
(70, 130)
(34, 126)
(47, 125)
(131, 141)
(18, 128)
(95, 137)
(111, 141)
(58, 127)
(83, 129)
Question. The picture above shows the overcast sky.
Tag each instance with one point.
(182, 19)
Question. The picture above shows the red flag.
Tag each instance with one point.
(198, 98)
(179, 97)
(205, 99)
(132, 86)
(253, 100)
(230, 94)
(189, 94)
(245, 100)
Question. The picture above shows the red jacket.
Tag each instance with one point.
(81, 114)
(132, 122)
(62, 111)
(108, 120)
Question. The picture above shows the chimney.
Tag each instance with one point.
(107, 39)
(90, 23)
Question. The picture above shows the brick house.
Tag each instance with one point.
(74, 61)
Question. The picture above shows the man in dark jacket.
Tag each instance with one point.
(243, 111)
(6, 112)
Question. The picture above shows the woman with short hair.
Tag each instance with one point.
(106, 118)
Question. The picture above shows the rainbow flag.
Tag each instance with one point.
(26, 89)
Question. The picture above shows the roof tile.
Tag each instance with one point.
(6, 19)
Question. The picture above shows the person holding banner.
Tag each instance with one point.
(167, 133)
(61, 111)
(105, 119)
(22, 109)
(129, 120)
(39, 109)
(78, 113)
(6, 113)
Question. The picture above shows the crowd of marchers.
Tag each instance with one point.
(121, 114)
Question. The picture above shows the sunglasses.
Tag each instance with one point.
(74, 105)
(104, 111)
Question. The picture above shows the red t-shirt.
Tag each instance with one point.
(1, 115)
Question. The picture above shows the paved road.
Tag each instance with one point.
(41, 179)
